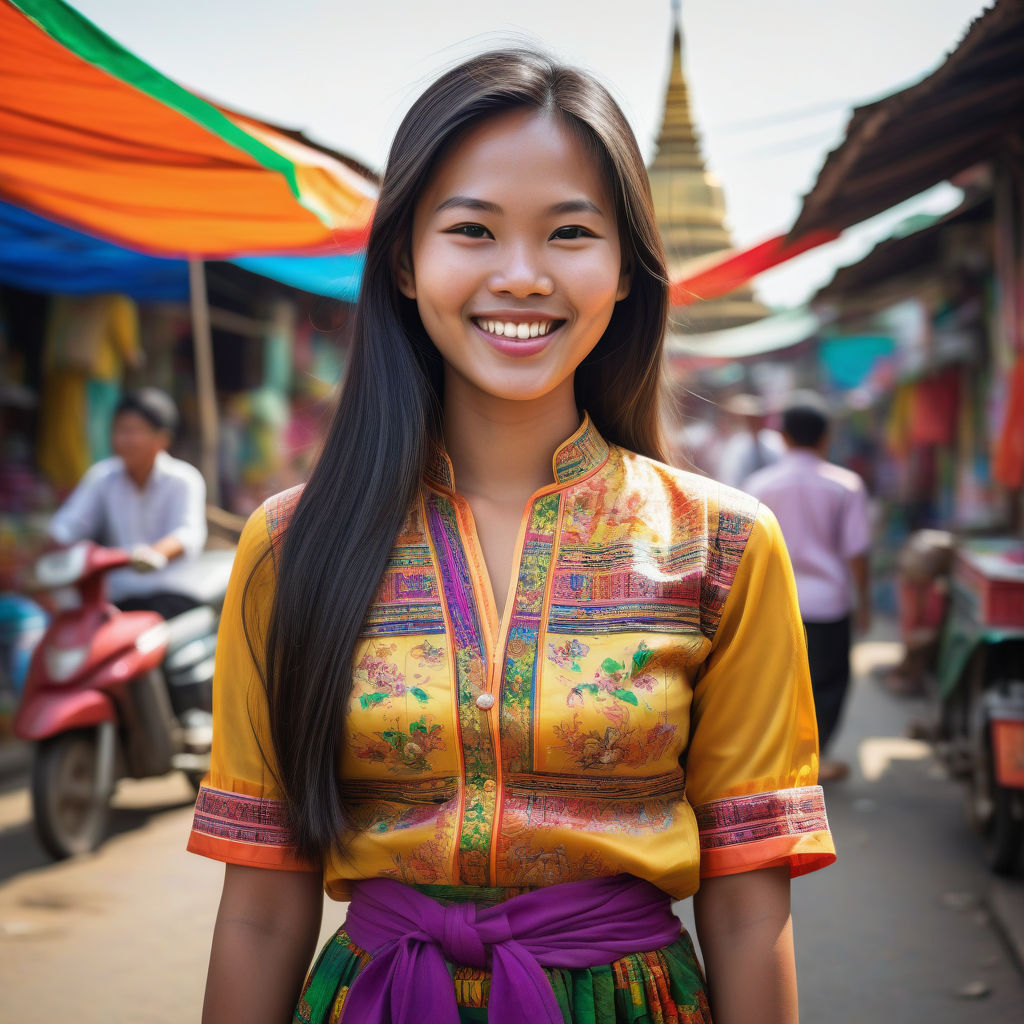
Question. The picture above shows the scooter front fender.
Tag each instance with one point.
(46, 713)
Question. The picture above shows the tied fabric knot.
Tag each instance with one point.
(575, 924)
(459, 940)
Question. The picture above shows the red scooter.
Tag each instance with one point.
(113, 694)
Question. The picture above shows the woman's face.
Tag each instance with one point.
(516, 264)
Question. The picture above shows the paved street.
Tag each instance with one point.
(900, 930)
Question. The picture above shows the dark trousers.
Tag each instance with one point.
(828, 650)
(167, 605)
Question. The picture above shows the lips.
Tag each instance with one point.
(521, 330)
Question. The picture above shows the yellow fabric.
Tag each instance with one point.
(62, 446)
(88, 338)
(94, 334)
(653, 628)
(751, 735)
(243, 755)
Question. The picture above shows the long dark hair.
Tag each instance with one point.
(388, 418)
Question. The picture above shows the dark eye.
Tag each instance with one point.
(470, 231)
(572, 231)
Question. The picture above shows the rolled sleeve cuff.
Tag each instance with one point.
(786, 827)
(60, 533)
(192, 539)
(241, 829)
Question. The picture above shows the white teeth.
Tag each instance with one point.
(521, 331)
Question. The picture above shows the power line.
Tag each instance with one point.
(789, 146)
(783, 117)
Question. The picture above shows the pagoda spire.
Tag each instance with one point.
(677, 140)
(689, 204)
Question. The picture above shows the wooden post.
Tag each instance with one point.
(206, 394)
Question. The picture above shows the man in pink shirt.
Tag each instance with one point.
(823, 511)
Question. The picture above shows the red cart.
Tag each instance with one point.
(981, 685)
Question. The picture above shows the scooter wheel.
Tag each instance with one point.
(70, 819)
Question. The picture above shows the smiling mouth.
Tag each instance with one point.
(521, 331)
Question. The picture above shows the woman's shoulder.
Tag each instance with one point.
(279, 509)
(719, 505)
(266, 526)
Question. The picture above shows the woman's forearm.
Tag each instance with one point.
(746, 936)
(261, 950)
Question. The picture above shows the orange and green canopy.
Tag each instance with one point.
(93, 137)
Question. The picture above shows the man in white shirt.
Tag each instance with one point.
(822, 509)
(144, 501)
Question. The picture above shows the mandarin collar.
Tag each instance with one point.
(576, 457)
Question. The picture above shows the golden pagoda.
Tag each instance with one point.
(690, 207)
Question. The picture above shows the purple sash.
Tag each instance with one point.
(575, 924)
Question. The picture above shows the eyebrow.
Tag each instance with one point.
(470, 203)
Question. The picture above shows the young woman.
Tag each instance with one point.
(497, 674)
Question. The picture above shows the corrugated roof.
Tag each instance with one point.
(902, 255)
(899, 146)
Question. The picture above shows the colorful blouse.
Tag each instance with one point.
(642, 706)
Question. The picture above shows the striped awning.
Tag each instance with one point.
(96, 139)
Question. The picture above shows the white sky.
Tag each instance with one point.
(771, 81)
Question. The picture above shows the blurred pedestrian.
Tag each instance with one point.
(823, 511)
(459, 671)
(145, 501)
(752, 444)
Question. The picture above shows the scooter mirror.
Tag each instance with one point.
(62, 568)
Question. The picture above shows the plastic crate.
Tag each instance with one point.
(991, 575)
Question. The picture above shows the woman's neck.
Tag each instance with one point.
(502, 449)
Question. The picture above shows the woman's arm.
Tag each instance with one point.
(264, 940)
(746, 936)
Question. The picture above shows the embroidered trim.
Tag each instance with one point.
(519, 673)
(580, 454)
(669, 784)
(439, 468)
(479, 799)
(407, 601)
(403, 791)
(618, 588)
(278, 510)
(735, 523)
(746, 819)
(577, 456)
(241, 819)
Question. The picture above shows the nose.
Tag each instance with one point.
(521, 273)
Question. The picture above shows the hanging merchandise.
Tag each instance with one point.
(933, 414)
(1008, 460)
(90, 341)
(897, 427)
